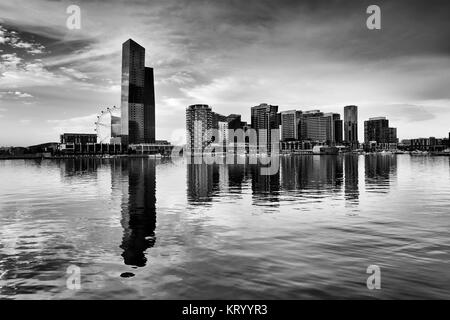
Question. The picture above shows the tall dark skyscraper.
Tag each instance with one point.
(351, 126)
(138, 96)
(149, 106)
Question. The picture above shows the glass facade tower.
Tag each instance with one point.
(137, 96)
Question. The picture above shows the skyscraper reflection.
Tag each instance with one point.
(317, 173)
(138, 207)
(236, 177)
(200, 182)
(351, 177)
(264, 187)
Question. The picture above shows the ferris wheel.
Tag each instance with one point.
(107, 124)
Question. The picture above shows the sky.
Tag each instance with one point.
(229, 54)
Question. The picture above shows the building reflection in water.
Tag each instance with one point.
(380, 171)
(138, 175)
(265, 188)
(297, 176)
(205, 181)
(200, 183)
(236, 177)
(315, 173)
(351, 177)
(79, 166)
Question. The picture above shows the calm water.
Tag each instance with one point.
(149, 229)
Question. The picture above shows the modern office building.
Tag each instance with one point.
(137, 96)
(351, 126)
(198, 121)
(264, 119)
(289, 125)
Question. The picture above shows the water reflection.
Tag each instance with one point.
(319, 173)
(138, 207)
(134, 181)
(380, 172)
(101, 216)
(79, 166)
(200, 183)
(351, 178)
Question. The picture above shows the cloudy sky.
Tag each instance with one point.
(229, 54)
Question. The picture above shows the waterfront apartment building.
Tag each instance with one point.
(216, 118)
(377, 132)
(235, 123)
(289, 122)
(264, 119)
(199, 119)
(223, 133)
(318, 127)
(137, 96)
(351, 126)
(425, 144)
(335, 130)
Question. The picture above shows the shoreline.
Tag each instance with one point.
(40, 157)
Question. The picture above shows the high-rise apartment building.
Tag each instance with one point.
(264, 119)
(289, 125)
(198, 121)
(351, 126)
(223, 133)
(334, 132)
(216, 118)
(234, 122)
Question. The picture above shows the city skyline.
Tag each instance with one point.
(212, 152)
(56, 80)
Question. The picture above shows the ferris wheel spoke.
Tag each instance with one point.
(103, 125)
